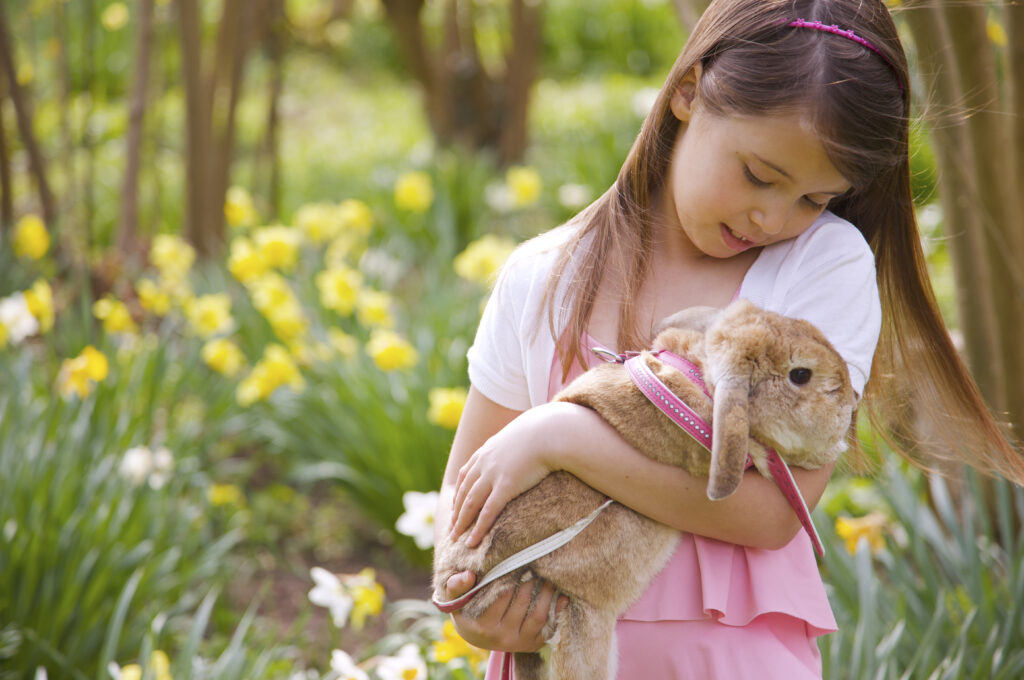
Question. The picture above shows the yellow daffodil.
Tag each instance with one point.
(39, 299)
(210, 315)
(288, 322)
(3, 335)
(269, 292)
(344, 344)
(318, 221)
(367, 596)
(225, 494)
(115, 316)
(239, 210)
(31, 240)
(373, 309)
(356, 216)
(446, 406)
(870, 527)
(482, 258)
(80, 374)
(996, 32)
(245, 261)
(347, 247)
(274, 370)
(115, 16)
(414, 192)
(524, 184)
(390, 351)
(159, 664)
(278, 245)
(339, 288)
(451, 646)
(172, 256)
(152, 297)
(223, 356)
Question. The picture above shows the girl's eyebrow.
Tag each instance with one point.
(790, 178)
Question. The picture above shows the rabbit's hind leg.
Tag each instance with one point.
(531, 666)
(584, 647)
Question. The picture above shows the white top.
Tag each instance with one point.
(826, 276)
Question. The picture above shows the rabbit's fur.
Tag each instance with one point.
(747, 357)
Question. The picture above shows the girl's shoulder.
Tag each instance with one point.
(830, 233)
(829, 242)
(533, 259)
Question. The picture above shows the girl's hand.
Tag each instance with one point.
(509, 624)
(509, 463)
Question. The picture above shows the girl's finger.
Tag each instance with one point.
(532, 626)
(474, 500)
(489, 511)
(458, 584)
(462, 488)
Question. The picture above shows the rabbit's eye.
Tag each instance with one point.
(800, 376)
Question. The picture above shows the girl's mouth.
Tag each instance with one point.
(734, 240)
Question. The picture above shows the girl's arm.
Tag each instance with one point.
(564, 436)
(508, 625)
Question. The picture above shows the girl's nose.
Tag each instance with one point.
(769, 219)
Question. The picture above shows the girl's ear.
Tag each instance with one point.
(683, 98)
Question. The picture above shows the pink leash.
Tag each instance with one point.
(686, 418)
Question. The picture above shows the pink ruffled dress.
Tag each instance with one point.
(720, 611)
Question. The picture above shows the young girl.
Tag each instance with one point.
(773, 167)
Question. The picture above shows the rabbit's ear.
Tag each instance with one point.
(730, 432)
(692, 318)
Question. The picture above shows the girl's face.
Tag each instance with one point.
(740, 182)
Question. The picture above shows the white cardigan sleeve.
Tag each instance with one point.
(510, 359)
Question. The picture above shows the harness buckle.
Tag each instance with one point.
(610, 357)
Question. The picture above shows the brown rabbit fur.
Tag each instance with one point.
(749, 359)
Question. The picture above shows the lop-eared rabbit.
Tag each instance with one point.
(776, 382)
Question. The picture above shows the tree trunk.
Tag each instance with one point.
(979, 141)
(270, 153)
(6, 185)
(211, 101)
(197, 124)
(464, 103)
(23, 113)
(689, 12)
(127, 235)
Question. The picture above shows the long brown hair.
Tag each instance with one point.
(754, 63)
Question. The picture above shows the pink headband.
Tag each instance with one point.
(849, 35)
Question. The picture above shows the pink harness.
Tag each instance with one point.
(683, 416)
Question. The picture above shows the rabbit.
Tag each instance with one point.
(776, 382)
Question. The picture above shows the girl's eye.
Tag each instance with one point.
(753, 179)
(814, 204)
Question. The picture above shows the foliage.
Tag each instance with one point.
(943, 597)
(90, 556)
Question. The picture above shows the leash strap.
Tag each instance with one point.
(686, 418)
(671, 405)
(784, 480)
(522, 558)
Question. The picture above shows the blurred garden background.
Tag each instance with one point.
(243, 250)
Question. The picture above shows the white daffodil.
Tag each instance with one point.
(330, 593)
(408, 664)
(162, 466)
(345, 667)
(140, 464)
(418, 519)
(17, 318)
(136, 464)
